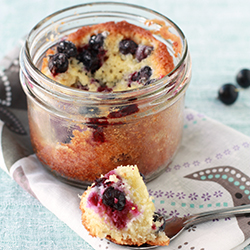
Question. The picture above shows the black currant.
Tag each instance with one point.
(89, 60)
(143, 52)
(58, 63)
(228, 93)
(114, 198)
(127, 46)
(143, 75)
(68, 48)
(243, 78)
(96, 41)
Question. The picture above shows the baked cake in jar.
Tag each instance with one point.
(108, 58)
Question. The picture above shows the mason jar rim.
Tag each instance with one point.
(144, 90)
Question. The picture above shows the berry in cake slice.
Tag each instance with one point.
(108, 57)
(118, 207)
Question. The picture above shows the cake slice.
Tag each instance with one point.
(118, 207)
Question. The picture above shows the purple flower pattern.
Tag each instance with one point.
(218, 156)
(208, 160)
(169, 194)
(227, 152)
(150, 192)
(191, 228)
(190, 117)
(180, 195)
(174, 213)
(168, 169)
(177, 167)
(218, 194)
(236, 147)
(158, 194)
(162, 211)
(193, 196)
(196, 163)
(206, 197)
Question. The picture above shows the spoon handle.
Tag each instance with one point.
(216, 214)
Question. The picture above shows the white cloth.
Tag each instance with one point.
(211, 170)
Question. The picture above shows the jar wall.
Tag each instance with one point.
(80, 152)
(79, 135)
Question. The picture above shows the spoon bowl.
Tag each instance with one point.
(174, 226)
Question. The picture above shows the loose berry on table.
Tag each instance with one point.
(228, 93)
(243, 78)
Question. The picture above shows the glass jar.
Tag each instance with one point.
(79, 135)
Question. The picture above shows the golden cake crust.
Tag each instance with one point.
(116, 69)
(161, 59)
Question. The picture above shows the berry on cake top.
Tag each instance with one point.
(108, 57)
